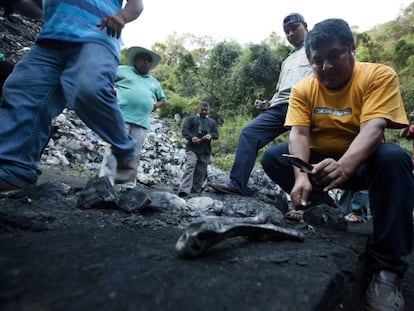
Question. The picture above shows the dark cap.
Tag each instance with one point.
(293, 18)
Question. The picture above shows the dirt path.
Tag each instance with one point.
(71, 259)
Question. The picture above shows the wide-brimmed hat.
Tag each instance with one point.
(132, 52)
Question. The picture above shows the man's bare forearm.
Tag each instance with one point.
(132, 10)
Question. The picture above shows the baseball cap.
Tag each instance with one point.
(293, 18)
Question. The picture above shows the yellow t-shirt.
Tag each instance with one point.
(334, 117)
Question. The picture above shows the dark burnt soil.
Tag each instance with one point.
(54, 256)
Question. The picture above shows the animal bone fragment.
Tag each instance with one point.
(201, 236)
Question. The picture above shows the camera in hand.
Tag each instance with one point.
(202, 130)
(258, 103)
(202, 134)
(261, 104)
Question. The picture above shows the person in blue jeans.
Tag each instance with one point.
(72, 63)
(354, 205)
(337, 118)
(270, 122)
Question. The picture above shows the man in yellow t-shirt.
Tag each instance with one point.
(337, 119)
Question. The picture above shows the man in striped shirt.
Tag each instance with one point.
(270, 122)
(72, 63)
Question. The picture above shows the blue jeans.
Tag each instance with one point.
(47, 79)
(253, 136)
(387, 175)
(355, 202)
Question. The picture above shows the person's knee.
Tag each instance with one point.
(267, 159)
(390, 159)
(245, 130)
(89, 92)
(390, 154)
(91, 97)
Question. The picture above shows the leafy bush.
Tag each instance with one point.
(224, 148)
(175, 104)
(393, 136)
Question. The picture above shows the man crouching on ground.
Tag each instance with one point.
(337, 118)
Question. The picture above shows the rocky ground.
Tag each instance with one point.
(55, 254)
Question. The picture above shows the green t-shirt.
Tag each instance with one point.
(137, 94)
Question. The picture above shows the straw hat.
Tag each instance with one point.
(132, 52)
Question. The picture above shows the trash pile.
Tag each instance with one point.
(73, 145)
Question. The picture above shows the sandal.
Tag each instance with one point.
(295, 215)
(351, 217)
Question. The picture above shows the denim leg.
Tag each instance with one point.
(356, 202)
(32, 96)
(255, 135)
(391, 201)
(277, 168)
(360, 203)
(345, 202)
(87, 82)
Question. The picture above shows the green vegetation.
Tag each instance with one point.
(231, 76)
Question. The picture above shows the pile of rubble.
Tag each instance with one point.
(73, 145)
(17, 35)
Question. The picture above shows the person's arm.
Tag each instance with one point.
(214, 131)
(186, 132)
(299, 146)
(404, 132)
(159, 95)
(330, 173)
(158, 104)
(115, 23)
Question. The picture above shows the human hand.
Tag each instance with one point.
(261, 104)
(195, 140)
(300, 193)
(329, 174)
(411, 116)
(207, 137)
(113, 23)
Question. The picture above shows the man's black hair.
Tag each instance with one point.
(329, 30)
(204, 103)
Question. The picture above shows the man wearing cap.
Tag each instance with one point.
(139, 93)
(270, 122)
